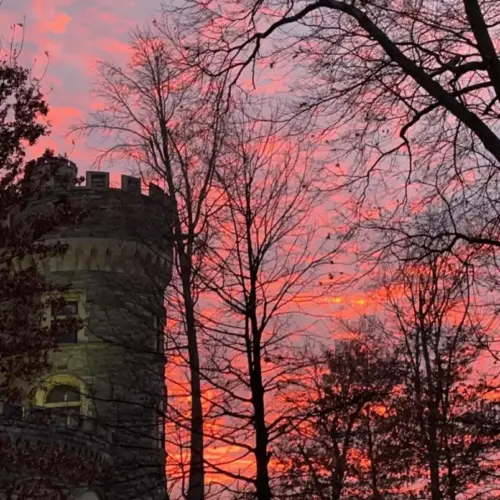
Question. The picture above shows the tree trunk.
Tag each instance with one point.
(338, 478)
(371, 456)
(433, 451)
(433, 455)
(196, 489)
(452, 481)
(262, 486)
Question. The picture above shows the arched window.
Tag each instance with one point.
(65, 404)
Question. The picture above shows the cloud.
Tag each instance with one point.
(56, 25)
(75, 34)
(62, 117)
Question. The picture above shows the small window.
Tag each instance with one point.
(160, 438)
(66, 317)
(70, 308)
(61, 180)
(160, 427)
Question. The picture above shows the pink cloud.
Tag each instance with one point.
(62, 117)
(56, 25)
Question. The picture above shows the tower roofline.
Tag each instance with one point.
(55, 173)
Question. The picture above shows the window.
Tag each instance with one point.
(70, 308)
(160, 438)
(66, 317)
(64, 402)
(61, 181)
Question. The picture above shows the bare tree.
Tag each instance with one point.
(423, 72)
(404, 97)
(343, 447)
(445, 414)
(407, 416)
(262, 274)
(168, 120)
(406, 93)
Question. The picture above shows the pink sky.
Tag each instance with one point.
(76, 34)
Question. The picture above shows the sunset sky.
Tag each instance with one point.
(407, 183)
(76, 34)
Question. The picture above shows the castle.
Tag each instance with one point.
(100, 409)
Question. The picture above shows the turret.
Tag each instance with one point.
(107, 377)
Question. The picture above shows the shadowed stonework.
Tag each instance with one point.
(102, 402)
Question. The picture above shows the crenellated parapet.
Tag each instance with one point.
(121, 230)
(63, 441)
(39, 425)
(57, 173)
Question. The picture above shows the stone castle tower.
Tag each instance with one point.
(101, 406)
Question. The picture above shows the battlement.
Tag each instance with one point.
(129, 184)
(34, 432)
(113, 219)
(57, 173)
